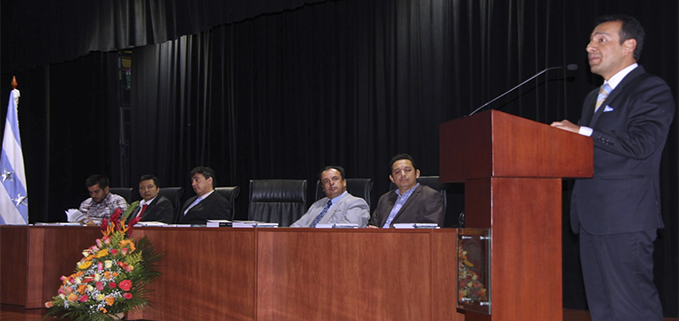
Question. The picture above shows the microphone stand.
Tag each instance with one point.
(570, 67)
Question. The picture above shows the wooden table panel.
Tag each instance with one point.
(13, 267)
(208, 274)
(361, 274)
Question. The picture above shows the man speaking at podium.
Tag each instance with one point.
(617, 212)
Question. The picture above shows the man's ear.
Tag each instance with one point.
(391, 178)
(629, 45)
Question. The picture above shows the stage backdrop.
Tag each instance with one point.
(264, 90)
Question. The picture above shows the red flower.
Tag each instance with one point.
(112, 285)
(83, 298)
(104, 225)
(131, 224)
(115, 218)
(127, 295)
(125, 285)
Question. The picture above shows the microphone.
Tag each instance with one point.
(569, 67)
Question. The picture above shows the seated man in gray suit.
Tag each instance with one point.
(338, 206)
(410, 202)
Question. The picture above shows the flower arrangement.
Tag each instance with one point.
(470, 287)
(112, 276)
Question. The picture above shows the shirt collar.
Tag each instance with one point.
(408, 192)
(617, 78)
(338, 198)
(206, 195)
(145, 202)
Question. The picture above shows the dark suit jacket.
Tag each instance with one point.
(425, 205)
(160, 210)
(214, 207)
(629, 132)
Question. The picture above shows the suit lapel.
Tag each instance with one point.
(618, 89)
(405, 206)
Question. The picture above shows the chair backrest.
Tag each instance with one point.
(174, 194)
(230, 193)
(125, 192)
(281, 201)
(359, 187)
(433, 182)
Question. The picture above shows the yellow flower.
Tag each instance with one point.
(97, 277)
(102, 253)
(100, 297)
(108, 264)
(84, 265)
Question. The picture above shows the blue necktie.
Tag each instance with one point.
(604, 90)
(321, 214)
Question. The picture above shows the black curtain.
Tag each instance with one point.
(42, 32)
(273, 93)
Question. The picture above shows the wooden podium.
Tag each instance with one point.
(512, 169)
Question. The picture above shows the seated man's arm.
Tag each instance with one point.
(435, 210)
(165, 212)
(357, 212)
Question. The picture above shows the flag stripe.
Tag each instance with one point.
(10, 214)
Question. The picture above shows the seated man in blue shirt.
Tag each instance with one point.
(410, 202)
(338, 206)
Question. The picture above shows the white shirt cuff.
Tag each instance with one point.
(586, 131)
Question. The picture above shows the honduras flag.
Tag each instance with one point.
(13, 197)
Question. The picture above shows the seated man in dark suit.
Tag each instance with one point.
(206, 205)
(410, 202)
(338, 206)
(152, 207)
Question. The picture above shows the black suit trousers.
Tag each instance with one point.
(618, 273)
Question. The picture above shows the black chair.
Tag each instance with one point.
(281, 201)
(230, 193)
(359, 187)
(433, 182)
(174, 194)
(125, 192)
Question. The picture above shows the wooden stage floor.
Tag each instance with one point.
(10, 313)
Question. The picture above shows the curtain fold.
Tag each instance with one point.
(42, 32)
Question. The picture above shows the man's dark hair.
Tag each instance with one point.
(399, 157)
(150, 177)
(207, 172)
(631, 29)
(97, 179)
(338, 168)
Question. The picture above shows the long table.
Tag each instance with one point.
(257, 274)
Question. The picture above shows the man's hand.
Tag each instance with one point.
(566, 125)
